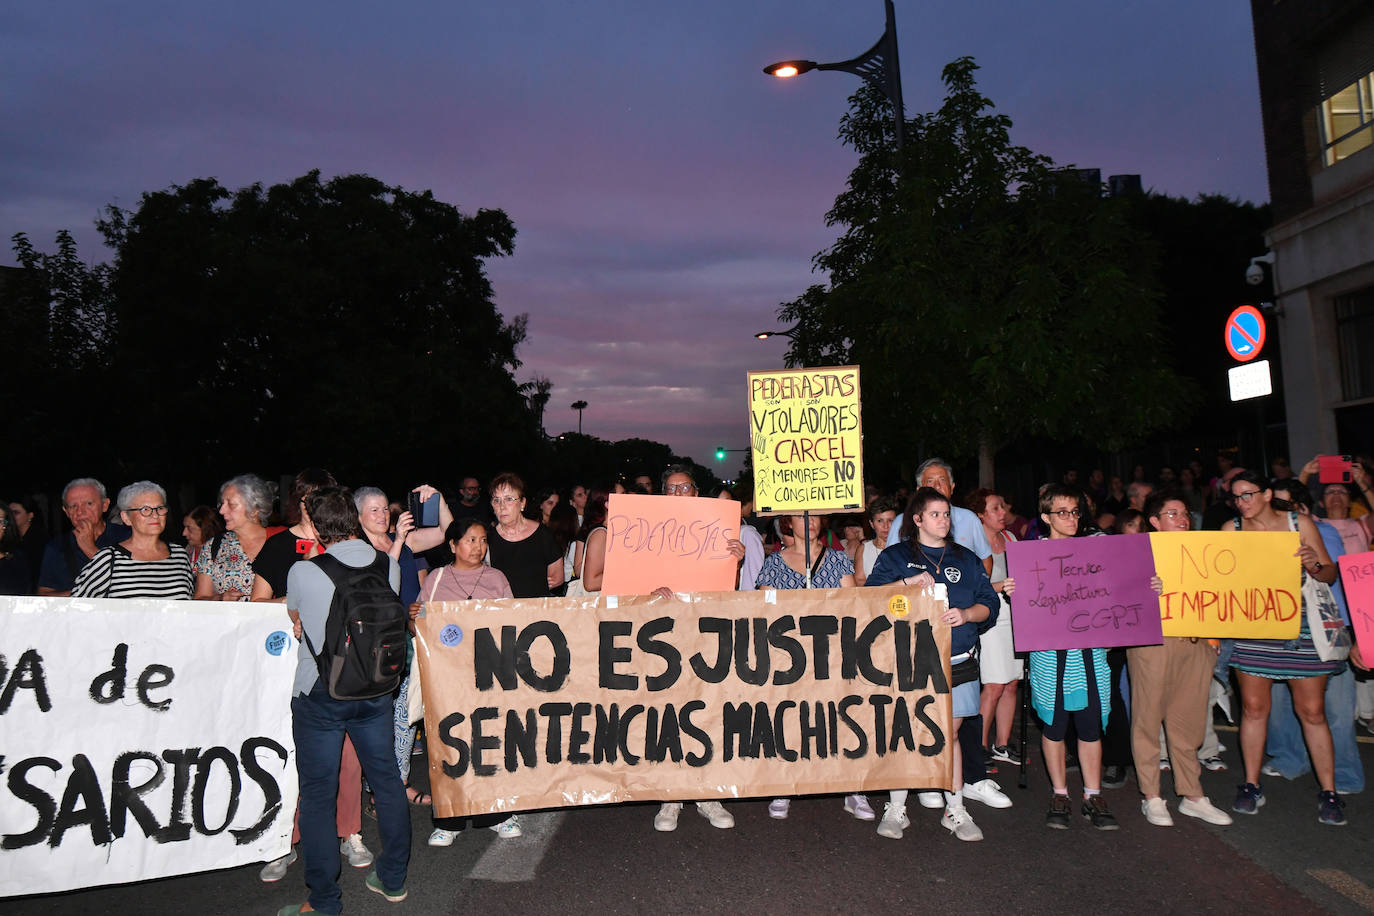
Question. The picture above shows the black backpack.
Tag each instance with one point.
(364, 650)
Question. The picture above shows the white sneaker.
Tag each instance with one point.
(665, 821)
(1204, 810)
(442, 837)
(508, 829)
(858, 806)
(358, 854)
(777, 808)
(276, 869)
(894, 821)
(715, 812)
(958, 822)
(931, 799)
(988, 792)
(1156, 811)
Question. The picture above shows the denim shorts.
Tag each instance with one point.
(965, 698)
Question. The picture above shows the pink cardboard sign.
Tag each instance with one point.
(674, 541)
(1357, 575)
(1083, 593)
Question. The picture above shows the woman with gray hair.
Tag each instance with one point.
(224, 569)
(141, 566)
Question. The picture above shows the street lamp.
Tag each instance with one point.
(794, 334)
(878, 66)
(579, 406)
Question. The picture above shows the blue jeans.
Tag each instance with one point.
(319, 722)
(1285, 742)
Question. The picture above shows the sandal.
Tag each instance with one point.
(417, 797)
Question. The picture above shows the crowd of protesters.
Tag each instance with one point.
(1102, 712)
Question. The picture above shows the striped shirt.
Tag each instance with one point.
(114, 573)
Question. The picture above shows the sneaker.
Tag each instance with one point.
(777, 808)
(358, 854)
(715, 812)
(958, 822)
(665, 821)
(442, 837)
(1156, 811)
(1164, 765)
(1095, 810)
(276, 869)
(508, 829)
(931, 799)
(1249, 799)
(1270, 770)
(1005, 754)
(1113, 777)
(1060, 812)
(894, 821)
(1214, 764)
(988, 792)
(374, 884)
(1331, 809)
(1365, 725)
(858, 806)
(1204, 810)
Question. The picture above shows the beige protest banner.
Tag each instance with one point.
(680, 542)
(1229, 584)
(806, 440)
(555, 702)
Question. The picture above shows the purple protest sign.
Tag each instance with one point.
(1083, 593)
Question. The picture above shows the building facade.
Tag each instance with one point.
(1315, 61)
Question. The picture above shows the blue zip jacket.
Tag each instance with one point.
(960, 570)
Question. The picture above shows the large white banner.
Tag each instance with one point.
(141, 738)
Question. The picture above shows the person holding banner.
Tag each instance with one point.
(142, 565)
(1260, 662)
(927, 556)
(1169, 687)
(786, 569)
(1070, 684)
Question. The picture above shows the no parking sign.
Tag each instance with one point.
(1244, 333)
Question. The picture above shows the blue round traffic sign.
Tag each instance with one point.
(1245, 333)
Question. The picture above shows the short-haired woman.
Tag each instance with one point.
(143, 565)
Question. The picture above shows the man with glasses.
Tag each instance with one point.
(470, 496)
(1170, 684)
(678, 481)
(85, 503)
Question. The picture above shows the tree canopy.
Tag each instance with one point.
(986, 295)
(343, 323)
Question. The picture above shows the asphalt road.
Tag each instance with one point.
(820, 860)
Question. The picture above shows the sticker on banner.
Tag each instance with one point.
(898, 606)
(451, 635)
(277, 643)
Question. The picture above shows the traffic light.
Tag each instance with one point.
(720, 453)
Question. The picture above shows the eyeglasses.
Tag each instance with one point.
(148, 511)
(683, 489)
(1174, 513)
(1247, 495)
(505, 500)
(1066, 513)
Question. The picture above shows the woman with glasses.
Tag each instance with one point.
(1260, 662)
(526, 551)
(143, 565)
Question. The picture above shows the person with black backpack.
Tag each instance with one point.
(352, 625)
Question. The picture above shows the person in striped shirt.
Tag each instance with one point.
(142, 565)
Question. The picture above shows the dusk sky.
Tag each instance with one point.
(666, 193)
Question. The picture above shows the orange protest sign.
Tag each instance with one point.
(1229, 584)
(677, 541)
(556, 702)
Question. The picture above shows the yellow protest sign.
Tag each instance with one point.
(1229, 584)
(806, 440)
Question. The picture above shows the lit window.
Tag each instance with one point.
(1346, 120)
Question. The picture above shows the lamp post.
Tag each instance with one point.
(878, 66)
(796, 334)
(579, 406)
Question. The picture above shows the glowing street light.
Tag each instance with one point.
(878, 66)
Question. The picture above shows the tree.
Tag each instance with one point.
(986, 295)
(342, 323)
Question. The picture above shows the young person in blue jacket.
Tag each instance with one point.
(928, 556)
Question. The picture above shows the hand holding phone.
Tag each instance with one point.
(425, 512)
(1334, 468)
